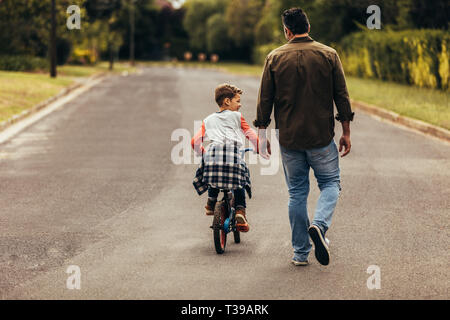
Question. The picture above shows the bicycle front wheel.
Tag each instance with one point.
(220, 236)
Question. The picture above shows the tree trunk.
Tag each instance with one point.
(53, 41)
(111, 56)
(110, 48)
(132, 27)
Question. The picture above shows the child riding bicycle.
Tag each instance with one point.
(222, 166)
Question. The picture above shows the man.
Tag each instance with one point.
(301, 79)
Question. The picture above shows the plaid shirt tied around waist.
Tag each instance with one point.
(222, 167)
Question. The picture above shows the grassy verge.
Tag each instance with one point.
(429, 105)
(22, 90)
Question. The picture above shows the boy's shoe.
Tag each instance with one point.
(241, 221)
(298, 262)
(210, 207)
(321, 250)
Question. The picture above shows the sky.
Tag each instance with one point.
(177, 3)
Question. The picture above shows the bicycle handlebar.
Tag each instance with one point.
(246, 150)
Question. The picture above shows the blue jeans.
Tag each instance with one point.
(296, 163)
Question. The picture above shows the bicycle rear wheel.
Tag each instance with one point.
(237, 236)
(220, 236)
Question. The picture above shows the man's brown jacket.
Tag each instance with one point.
(301, 79)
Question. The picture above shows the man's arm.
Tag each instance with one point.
(345, 139)
(265, 97)
(264, 107)
(342, 101)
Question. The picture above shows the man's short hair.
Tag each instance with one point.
(224, 91)
(295, 20)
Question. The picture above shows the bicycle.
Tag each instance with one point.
(224, 220)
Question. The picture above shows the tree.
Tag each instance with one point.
(217, 39)
(242, 16)
(424, 14)
(332, 20)
(132, 10)
(102, 9)
(26, 29)
(197, 14)
(53, 41)
(25, 25)
(267, 30)
(107, 11)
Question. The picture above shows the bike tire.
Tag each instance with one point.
(220, 236)
(237, 236)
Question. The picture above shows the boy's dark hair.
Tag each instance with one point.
(224, 91)
(295, 19)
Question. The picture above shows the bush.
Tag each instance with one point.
(22, 63)
(416, 57)
(83, 57)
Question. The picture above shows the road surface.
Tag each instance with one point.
(93, 185)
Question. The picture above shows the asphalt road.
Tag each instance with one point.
(93, 185)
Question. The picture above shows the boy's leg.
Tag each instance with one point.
(241, 219)
(296, 171)
(239, 198)
(213, 193)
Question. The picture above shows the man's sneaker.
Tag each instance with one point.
(321, 250)
(210, 207)
(241, 221)
(297, 262)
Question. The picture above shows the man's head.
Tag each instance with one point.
(295, 22)
(228, 97)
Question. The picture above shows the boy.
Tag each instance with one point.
(222, 166)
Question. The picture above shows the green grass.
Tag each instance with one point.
(429, 105)
(22, 90)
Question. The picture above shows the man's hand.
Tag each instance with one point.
(264, 144)
(345, 142)
(269, 151)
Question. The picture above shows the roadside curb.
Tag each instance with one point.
(418, 125)
(26, 113)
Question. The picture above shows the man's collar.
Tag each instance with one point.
(301, 39)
